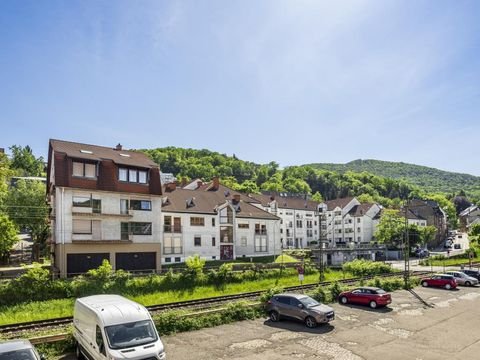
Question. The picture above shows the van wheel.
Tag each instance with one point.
(373, 304)
(424, 283)
(467, 283)
(78, 352)
(310, 322)
(274, 316)
(344, 300)
(448, 286)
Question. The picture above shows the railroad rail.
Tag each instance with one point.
(196, 304)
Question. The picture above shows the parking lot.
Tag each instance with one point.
(407, 329)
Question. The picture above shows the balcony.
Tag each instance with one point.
(172, 229)
(167, 250)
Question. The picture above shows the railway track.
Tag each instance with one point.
(195, 304)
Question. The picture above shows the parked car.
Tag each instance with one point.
(462, 278)
(473, 273)
(299, 307)
(19, 350)
(370, 296)
(421, 253)
(440, 280)
(113, 327)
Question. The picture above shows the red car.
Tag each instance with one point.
(440, 280)
(366, 295)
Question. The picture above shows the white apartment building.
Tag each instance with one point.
(216, 223)
(299, 223)
(106, 204)
(345, 221)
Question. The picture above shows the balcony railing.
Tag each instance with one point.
(176, 229)
(167, 250)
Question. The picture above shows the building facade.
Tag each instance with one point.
(106, 204)
(216, 223)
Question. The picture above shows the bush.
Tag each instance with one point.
(267, 295)
(320, 295)
(362, 267)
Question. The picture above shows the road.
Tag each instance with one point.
(446, 327)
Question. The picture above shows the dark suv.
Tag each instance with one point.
(299, 307)
(473, 273)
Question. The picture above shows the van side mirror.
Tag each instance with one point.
(300, 306)
(42, 357)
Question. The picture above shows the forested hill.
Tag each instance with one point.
(427, 178)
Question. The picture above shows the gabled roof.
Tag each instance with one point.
(98, 153)
(468, 210)
(286, 202)
(341, 203)
(360, 210)
(205, 200)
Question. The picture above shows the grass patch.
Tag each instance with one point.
(50, 309)
(449, 261)
(284, 258)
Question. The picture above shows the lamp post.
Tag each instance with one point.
(320, 248)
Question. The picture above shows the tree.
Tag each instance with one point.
(25, 162)
(391, 228)
(317, 197)
(248, 187)
(8, 236)
(5, 174)
(27, 207)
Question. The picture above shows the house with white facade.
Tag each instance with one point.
(469, 216)
(299, 217)
(105, 204)
(216, 223)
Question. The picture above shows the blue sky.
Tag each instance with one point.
(288, 81)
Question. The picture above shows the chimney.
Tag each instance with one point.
(215, 183)
(2, 151)
(236, 198)
(118, 147)
(199, 183)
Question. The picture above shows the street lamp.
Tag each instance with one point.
(406, 247)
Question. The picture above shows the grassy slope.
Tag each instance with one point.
(64, 307)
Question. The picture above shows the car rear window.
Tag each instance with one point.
(380, 291)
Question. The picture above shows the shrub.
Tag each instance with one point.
(335, 289)
(362, 267)
(269, 293)
(320, 295)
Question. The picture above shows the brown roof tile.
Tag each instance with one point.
(341, 203)
(98, 153)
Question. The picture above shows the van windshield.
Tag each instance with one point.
(131, 334)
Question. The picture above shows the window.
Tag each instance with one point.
(197, 241)
(142, 177)
(359, 238)
(260, 244)
(260, 229)
(172, 245)
(145, 205)
(167, 260)
(82, 201)
(226, 234)
(358, 220)
(122, 174)
(96, 206)
(99, 340)
(133, 175)
(359, 229)
(83, 169)
(177, 259)
(213, 222)
(243, 241)
(243, 226)
(299, 223)
(124, 206)
(197, 221)
(135, 228)
(338, 213)
(214, 258)
(226, 215)
(213, 240)
(82, 226)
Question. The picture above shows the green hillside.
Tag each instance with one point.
(427, 178)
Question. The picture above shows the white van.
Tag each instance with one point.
(113, 327)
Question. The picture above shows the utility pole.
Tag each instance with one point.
(406, 248)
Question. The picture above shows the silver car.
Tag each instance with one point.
(18, 350)
(462, 278)
(300, 307)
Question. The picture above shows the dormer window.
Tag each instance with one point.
(83, 169)
(133, 175)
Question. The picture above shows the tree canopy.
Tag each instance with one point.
(25, 163)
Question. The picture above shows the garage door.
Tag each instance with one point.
(139, 261)
(81, 263)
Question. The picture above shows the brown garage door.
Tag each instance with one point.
(81, 263)
(139, 261)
